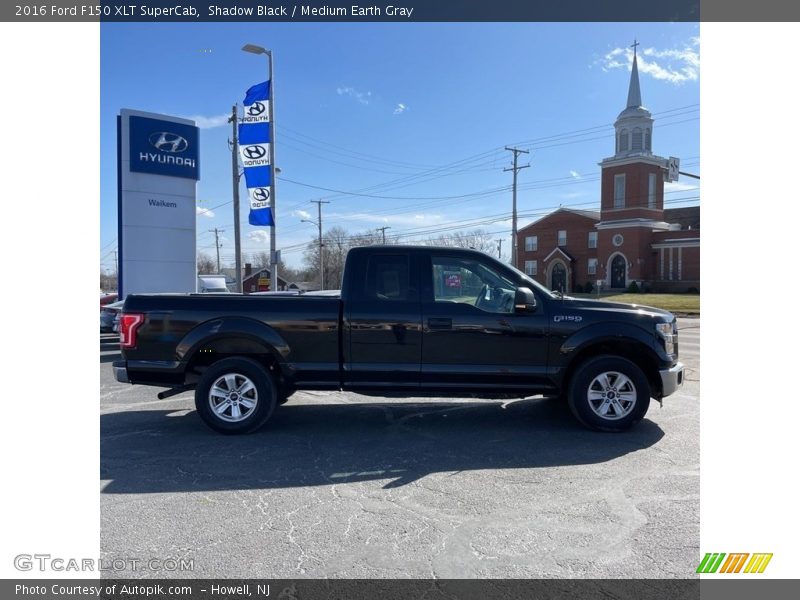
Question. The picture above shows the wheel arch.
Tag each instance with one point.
(218, 339)
(626, 342)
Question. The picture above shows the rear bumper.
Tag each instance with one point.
(671, 379)
(120, 371)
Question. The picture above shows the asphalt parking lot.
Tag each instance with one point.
(341, 485)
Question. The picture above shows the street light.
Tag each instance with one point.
(321, 255)
(273, 255)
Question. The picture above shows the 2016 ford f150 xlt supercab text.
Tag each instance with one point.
(410, 320)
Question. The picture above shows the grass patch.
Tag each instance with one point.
(680, 303)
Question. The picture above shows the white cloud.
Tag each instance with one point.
(400, 108)
(205, 212)
(210, 122)
(360, 97)
(301, 213)
(258, 236)
(574, 174)
(674, 65)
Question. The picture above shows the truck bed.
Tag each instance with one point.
(305, 329)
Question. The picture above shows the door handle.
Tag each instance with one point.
(440, 323)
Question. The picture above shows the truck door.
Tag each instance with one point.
(473, 337)
(383, 321)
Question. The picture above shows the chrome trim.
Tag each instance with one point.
(671, 379)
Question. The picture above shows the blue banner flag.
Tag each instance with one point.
(254, 151)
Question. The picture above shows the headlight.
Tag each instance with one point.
(666, 332)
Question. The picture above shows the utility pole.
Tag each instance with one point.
(116, 265)
(383, 233)
(500, 248)
(216, 233)
(515, 170)
(319, 204)
(237, 240)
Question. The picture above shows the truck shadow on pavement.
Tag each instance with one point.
(158, 451)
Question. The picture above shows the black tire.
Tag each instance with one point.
(590, 375)
(242, 369)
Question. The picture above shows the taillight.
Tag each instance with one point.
(128, 324)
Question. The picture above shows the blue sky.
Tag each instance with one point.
(426, 106)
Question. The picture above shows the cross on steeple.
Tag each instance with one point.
(635, 43)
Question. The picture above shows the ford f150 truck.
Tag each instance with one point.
(410, 320)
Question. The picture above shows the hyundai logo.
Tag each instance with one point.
(261, 194)
(256, 109)
(254, 152)
(168, 142)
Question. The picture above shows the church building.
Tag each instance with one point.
(633, 238)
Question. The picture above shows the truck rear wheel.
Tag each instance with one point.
(609, 393)
(235, 395)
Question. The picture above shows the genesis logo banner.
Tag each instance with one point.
(164, 148)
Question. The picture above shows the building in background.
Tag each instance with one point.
(633, 238)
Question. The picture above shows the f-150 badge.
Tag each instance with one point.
(573, 318)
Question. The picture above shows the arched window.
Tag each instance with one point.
(647, 140)
(623, 140)
(636, 142)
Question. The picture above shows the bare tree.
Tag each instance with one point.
(477, 239)
(205, 264)
(259, 259)
(108, 281)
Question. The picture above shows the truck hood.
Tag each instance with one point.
(618, 307)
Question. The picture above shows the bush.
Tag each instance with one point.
(694, 290)
(578, 288)
(633, 288)
(588, 288)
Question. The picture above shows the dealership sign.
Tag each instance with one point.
(163, 147)
(158, 167)
(255, 140)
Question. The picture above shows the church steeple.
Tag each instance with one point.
(634, 93)
(634, 125)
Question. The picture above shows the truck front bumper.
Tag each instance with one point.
(671, 379)
(120, 371)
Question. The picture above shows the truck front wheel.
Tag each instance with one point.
(609, 393)
(235, 395)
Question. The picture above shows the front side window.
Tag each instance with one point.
(531, 243)
(531, 267)
(562, 237)
(387, 277)
(592, 239)
(619, 191)
(592, 269)
(474, 282)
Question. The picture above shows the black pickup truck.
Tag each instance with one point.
(410, 321)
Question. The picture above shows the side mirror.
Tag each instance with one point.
(524, 300)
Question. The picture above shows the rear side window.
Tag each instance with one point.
(388, 277)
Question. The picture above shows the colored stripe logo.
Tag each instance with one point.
(719, 562)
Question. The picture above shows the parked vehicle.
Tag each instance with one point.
(211, 284)
(109, 314)
(106, 299)
(409, 320)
